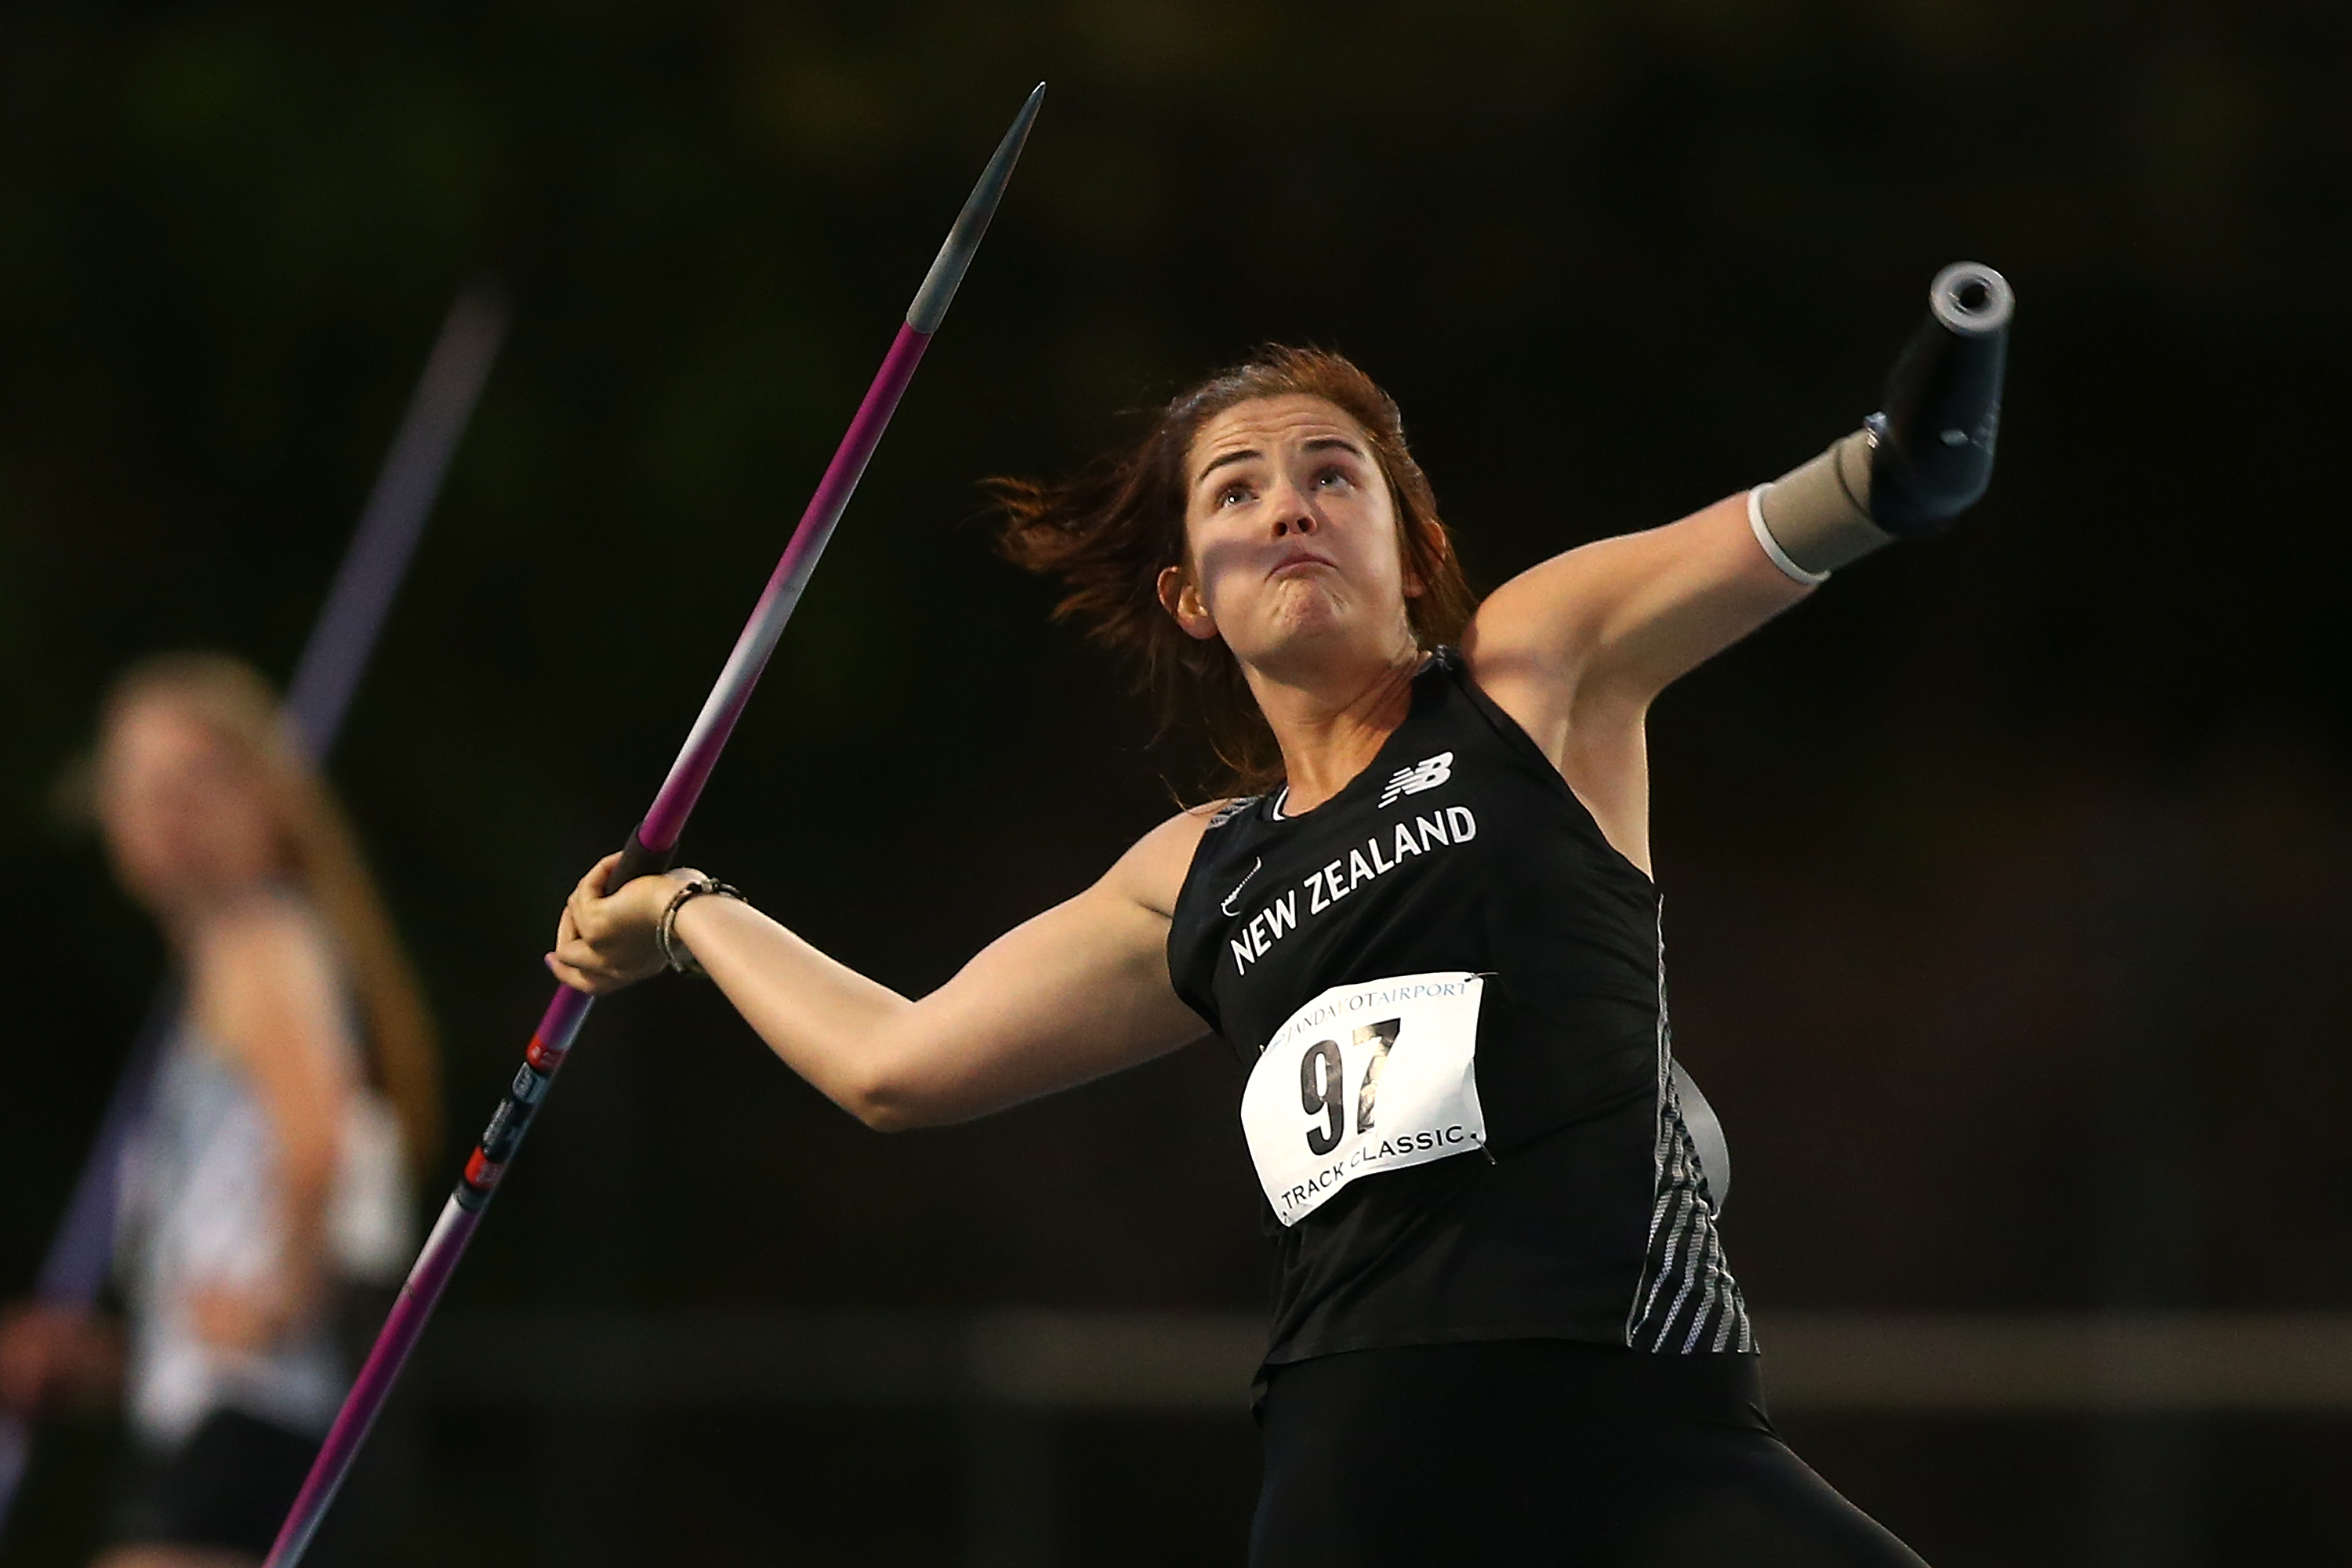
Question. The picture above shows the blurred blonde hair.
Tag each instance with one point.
(233, 700)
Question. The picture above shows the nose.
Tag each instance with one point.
(1292, 515)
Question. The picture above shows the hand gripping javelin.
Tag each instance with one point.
(649, 849)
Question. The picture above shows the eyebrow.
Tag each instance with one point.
(1242, 456)
(1317, 444)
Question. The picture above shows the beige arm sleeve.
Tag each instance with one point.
(1816, 517)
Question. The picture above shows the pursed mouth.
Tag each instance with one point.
(1297, 560)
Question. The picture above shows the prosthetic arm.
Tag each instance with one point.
(1921, 460)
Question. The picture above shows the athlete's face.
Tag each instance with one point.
(1291, 535)
(184, 813)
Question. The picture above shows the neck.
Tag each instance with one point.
(1330, 723)
(188, 913)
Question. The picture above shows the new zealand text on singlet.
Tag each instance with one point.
(1327, 885)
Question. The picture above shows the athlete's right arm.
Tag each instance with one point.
(1071, 995)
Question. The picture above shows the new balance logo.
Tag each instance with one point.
(1427, 773)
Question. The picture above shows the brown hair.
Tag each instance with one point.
(230, 698)
(1108, 533)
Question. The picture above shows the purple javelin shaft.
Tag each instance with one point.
(675, 800)
(649, 849)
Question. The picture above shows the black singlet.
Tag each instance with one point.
(1585, 1214)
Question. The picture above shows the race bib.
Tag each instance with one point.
(1365, 1079)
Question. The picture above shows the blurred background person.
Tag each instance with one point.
(268, 1190)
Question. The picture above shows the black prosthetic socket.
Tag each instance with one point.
(1934, 439)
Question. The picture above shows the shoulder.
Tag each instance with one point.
(1152, 872)
(276, 935)
(267, 959)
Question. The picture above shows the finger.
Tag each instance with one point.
(581, 956)
(579, 979)
(572, 975)
(582, 907)
(578, 953)
(590, 890)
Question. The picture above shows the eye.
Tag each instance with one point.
(1233, 494)
(1331, 476)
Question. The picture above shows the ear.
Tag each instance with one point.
(1180, 597)
(1433, 538)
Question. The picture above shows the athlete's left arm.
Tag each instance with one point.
(1577, 648)
(1611, 625)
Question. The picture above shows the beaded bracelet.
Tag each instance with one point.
(675, 953)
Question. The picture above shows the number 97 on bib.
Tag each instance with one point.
(1367, 1077)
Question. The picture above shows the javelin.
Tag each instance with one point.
(332, 660)
(650, 849)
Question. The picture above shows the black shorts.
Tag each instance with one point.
(227, 1487)
(1523, 1453)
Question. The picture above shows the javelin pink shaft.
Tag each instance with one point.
(648, 850)
(404, 1324)
(679, 792)
(672, 806)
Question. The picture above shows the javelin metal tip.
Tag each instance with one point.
(937, 292)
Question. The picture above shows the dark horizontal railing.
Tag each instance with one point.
(1957, 1364)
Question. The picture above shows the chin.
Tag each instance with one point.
(1303, 615)
(1300, 630)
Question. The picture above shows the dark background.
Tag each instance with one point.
(2004, 881)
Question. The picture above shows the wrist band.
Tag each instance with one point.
(674, 952)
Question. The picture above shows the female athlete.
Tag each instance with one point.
(268, 1177)
(1503, 1331)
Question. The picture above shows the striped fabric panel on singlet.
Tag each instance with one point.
(1687, 1301)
